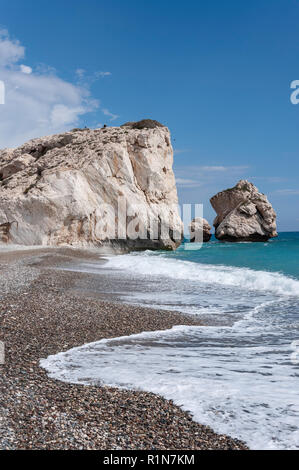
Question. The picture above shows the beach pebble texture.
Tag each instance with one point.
(45, 316)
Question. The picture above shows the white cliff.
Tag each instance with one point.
(92, 187)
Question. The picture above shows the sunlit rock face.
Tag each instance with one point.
(243, 214)
(92, 187)
(200, 230)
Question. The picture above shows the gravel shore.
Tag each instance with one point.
(42, 313)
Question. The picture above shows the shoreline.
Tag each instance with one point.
(50, 314)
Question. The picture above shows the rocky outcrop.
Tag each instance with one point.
(144, 124)
(200, 230)
(92, 187)
(243, 214)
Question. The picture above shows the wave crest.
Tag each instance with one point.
(244, 278)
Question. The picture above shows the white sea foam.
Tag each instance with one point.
(244, 391)
(239, 380)
(7, 248)
(248, 279)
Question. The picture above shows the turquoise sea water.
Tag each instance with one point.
(240, 372)
(279, 254)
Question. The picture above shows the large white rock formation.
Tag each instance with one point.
(243, 214)
(92, 187)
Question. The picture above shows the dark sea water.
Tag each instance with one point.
(239, 374)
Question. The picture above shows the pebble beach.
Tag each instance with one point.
(42, 313)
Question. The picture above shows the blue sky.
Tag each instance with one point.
(216, 73)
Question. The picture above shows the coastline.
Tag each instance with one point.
(42, 313)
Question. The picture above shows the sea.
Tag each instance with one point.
(239, 373)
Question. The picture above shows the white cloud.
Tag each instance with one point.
(36, 103)
(63, 115)
(25, 69)
(11, 50)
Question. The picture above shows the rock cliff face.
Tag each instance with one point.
(243, 214)
(200, 229)
(92, 187)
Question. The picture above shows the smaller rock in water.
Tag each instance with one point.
(243, 214)
(200, 230)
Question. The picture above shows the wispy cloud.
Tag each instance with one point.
(213, 168)
(102, 74)
(203, 174)
(222, 168)
(180, 151)
(109, 114)
(209, 178)
(80, 73)
(83, 76)
(187, 183)
(44, 69)
(287, 192)
(11, 51)
(86, 80)
(268, 179)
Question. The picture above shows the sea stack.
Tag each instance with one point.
(53, 190)
(243, 214)
(200, 229)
